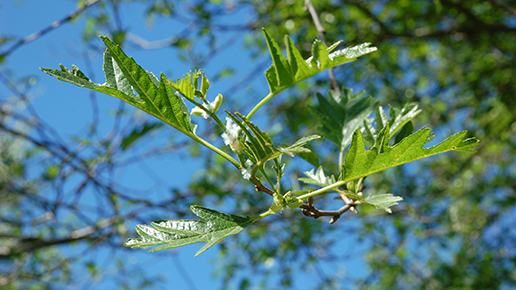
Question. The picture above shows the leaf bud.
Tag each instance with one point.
(205, 85)
(278, 203)
(292, 202)
(197, 112)
(216, 103)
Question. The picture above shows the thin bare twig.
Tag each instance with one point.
(322, 34)
(52, 26)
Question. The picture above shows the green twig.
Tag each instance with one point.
(262, 215)
(321, 190)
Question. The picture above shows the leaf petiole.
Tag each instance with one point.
(322, 190)
(213, 148)
(262, 215)
(261, 103)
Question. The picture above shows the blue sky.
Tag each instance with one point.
(68, 109)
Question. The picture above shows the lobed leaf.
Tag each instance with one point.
(341, 115)
(360, 162)
(398, 118)
(285, 72)
(213, 227)
(123, 77)
(297, 148)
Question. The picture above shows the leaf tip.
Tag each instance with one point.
(199, 252)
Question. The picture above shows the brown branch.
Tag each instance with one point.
(322, 34)
(503, 6)
(310, 211)
(260, 187)
(30, 244)
(52, 26)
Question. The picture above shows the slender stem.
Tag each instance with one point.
(267, 178)
(213, 148)
(278, 178)
(321, 190)
(261, 103)
(341, 158)
(358, 184)
(261, 163)
(262, 215)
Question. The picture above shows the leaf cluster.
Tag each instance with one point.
(343, 118)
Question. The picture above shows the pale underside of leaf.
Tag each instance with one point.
(382, 201)
(318, 177)
(114, 76)
(213, 227)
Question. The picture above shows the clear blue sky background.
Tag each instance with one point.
(67, 109)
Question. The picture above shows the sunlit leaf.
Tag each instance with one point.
(360, 162)
(398, 118)
(123, 77)
(285, 72)
(188, 85)
(258, 144)
(213, 227)
(297, 148)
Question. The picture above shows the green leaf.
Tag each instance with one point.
(398, 118)
(297, 148)
(76, 77)
(318, 178)
(341, 115)
(123, 75)
(258, 146)
(213, 227)
(382, 201)
(285, 72)
(188, 85)
(405, 131)
(114, 76)
(361, 163)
